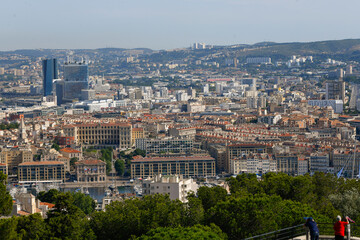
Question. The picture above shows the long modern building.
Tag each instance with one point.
(50, 72)
(98, 135)
(164, 145)
(189, 166)
(46, 171)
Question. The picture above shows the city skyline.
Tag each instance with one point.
(163, 24)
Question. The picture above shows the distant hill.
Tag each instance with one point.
(348, 49)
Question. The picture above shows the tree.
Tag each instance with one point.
(73, 161)
(135, 217)
(247, 216)
(55, 146)
(67, 221)
(31, 227)
(8, 228)
(84, 202)
(5, 198)
(120, 167)
(185, 233)
(49, 196)
(211, 196)
(348, 203)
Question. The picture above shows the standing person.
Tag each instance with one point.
(339, 228)
(314, 231)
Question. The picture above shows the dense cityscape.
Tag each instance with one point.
(139, 143)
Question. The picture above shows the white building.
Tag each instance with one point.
(258, 164)
(337, 105)
(176, 186)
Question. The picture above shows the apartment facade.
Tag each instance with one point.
(46, 171)
(189, 166)
(91, 170)
(12, 158)
(118, 135)
(164, 145)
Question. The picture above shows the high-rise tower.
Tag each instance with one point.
(76, 78)
(50, 72)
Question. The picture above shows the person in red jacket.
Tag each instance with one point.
(339, 228)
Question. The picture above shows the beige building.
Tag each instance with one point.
(101, 135)
(91, 170)
(12, 158)
(47, 171)
(137, 133)
(236, 150)
(71, 153)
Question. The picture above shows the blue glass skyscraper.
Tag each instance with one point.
(50, 72)
(76, 78)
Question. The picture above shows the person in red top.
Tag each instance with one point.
(339, 228)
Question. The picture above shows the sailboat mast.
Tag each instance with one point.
(353, 165)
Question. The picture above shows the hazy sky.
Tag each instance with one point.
(166, 24)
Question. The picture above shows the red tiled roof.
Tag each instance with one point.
(50, 205)
(23, 213)
(69, 150)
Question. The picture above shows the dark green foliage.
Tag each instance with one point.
(120, 167)
(198, 232)
(211, 196)
(8, 228)
(31, 227)
(13, 125)
(49, 196)
(5, 198)
(67, 221)
(80, 200)
(84, 202)
(106, 156)
(137, 216)
(252, 215)
(56, 146)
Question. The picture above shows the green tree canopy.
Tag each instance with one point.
(198, 232)
(5, 198)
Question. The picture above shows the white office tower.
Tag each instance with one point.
(349, 70)
(261, 102)
(147, 92)
(175, 186)
(206, 89)
(100, 86)
(251, 102)
(219, 87)
(164, 92)
(181, 96)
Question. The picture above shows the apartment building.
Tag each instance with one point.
(164, 145)
(99, 135)
(13, 157)
(254, 163)
(137, 133)
(91, 170)
(189, 166)
(236, 150)
(46, 171)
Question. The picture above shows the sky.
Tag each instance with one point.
(169, 24)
